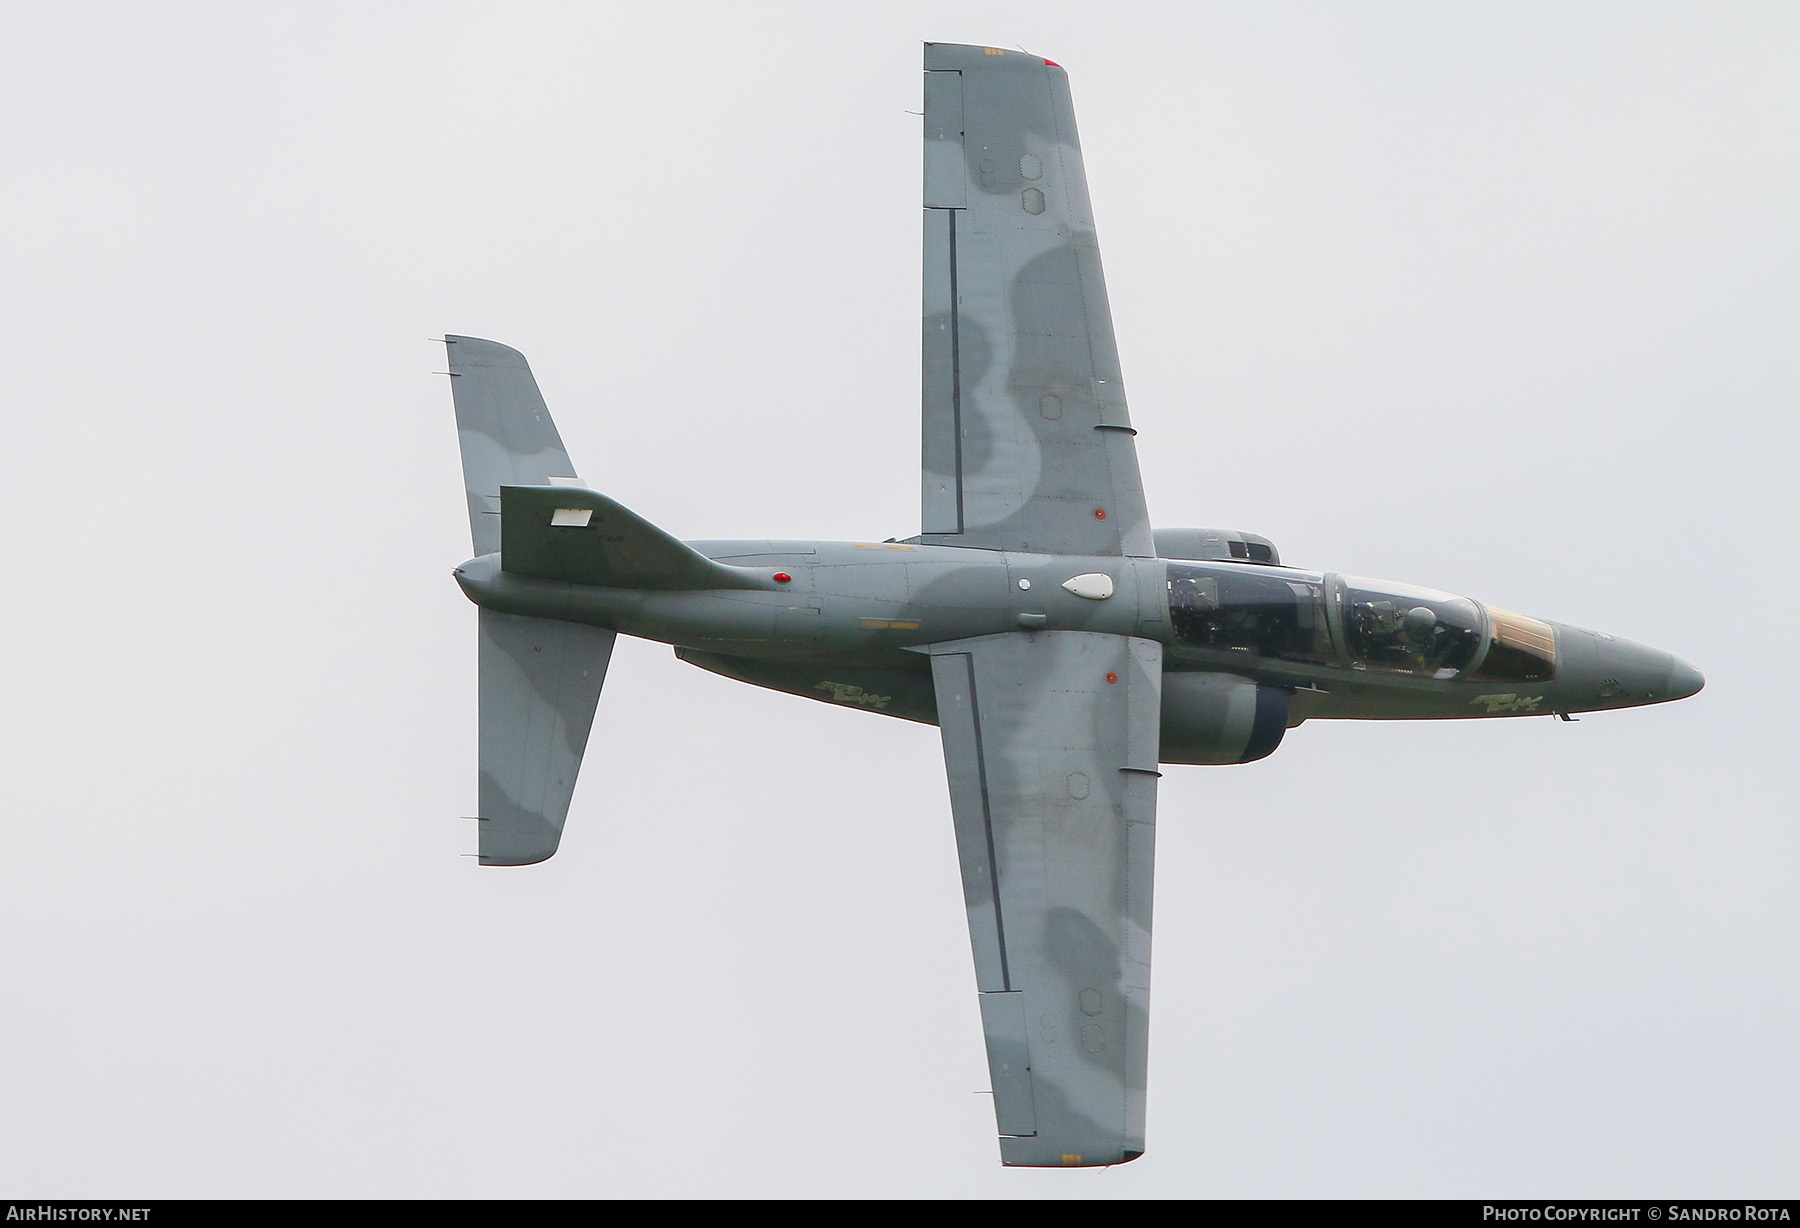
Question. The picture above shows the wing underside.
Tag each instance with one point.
(1050, 741)
(1027, 444)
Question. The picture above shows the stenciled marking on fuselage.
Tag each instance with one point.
(844, 693)
(888, 624)
(1509, 702)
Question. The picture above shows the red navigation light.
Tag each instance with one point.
(782, 577)
(1099, 513)
(1052, 64)
(1112, 679)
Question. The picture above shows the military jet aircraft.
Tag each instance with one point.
(1065, 649)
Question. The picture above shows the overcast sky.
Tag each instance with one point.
(1495, 299)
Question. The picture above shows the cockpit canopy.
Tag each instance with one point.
(1351, 623)
(1250, 611)
(1407, 630)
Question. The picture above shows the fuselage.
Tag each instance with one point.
(1345, 648)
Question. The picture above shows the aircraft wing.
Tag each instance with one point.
(1027, 443)
(1050, 741)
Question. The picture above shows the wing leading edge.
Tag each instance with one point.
(1050, 741)
(1027, 444)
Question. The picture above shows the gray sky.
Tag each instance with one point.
(1497, 300)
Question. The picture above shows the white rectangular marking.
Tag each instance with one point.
(571, 517)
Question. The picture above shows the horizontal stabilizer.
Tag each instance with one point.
(566, 533)
(505, 431)
(540, 682)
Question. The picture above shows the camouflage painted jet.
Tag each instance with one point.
(1065, 649)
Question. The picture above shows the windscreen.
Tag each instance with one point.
(1523, 649)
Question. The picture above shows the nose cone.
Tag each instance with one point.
(1684, 679)
(1604, 671)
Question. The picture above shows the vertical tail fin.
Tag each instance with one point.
(507, 436)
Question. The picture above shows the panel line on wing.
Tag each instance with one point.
(956, 394)
(987, 822)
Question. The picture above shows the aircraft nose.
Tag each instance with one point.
(1604, 671)
(1684, 679)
